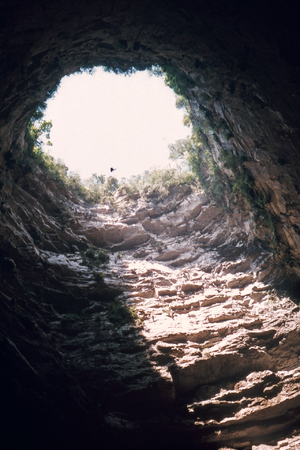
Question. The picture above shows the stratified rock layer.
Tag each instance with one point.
(211, 357)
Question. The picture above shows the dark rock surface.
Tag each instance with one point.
(212, 360)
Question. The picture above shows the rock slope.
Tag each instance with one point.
(223, 342)
(186, 337)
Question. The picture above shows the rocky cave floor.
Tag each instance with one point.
(211, 356)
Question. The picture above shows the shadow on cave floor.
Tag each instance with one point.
(70, 378)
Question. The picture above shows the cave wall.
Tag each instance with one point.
(247, 53)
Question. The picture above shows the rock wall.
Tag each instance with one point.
(181, 339)
(208, 356)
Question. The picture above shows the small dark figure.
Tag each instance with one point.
(112, 169)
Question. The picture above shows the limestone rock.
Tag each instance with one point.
(154, 226)
(191, 287)
(88, 366)
(117, 236)
(168, 255)
(207, 215)
(133, 236)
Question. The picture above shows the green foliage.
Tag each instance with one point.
(98, 276)
(196, 150)
(181, 102)
(157, 182)
(243, 182)
(118, 71)
(37, 130)
(120, 314)
(119, 67)
(98, 179)
(35, 157)
(56, 170)
(96, 189)
(175, 78)
(244, 185)
(100, 190)
(155, 70)
(182, 148)
(93, 257)
(187, 121)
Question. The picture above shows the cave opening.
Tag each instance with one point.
(213, 358)
(102, 119)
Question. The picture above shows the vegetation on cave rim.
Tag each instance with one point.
(207, 131)
(97, 189)
(175, 78)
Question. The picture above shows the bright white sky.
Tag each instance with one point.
(105, 120)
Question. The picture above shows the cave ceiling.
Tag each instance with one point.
(220, 45)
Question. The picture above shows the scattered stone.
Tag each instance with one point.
(166, 291)
(215, 299)
(191, 287)
(168, 256)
